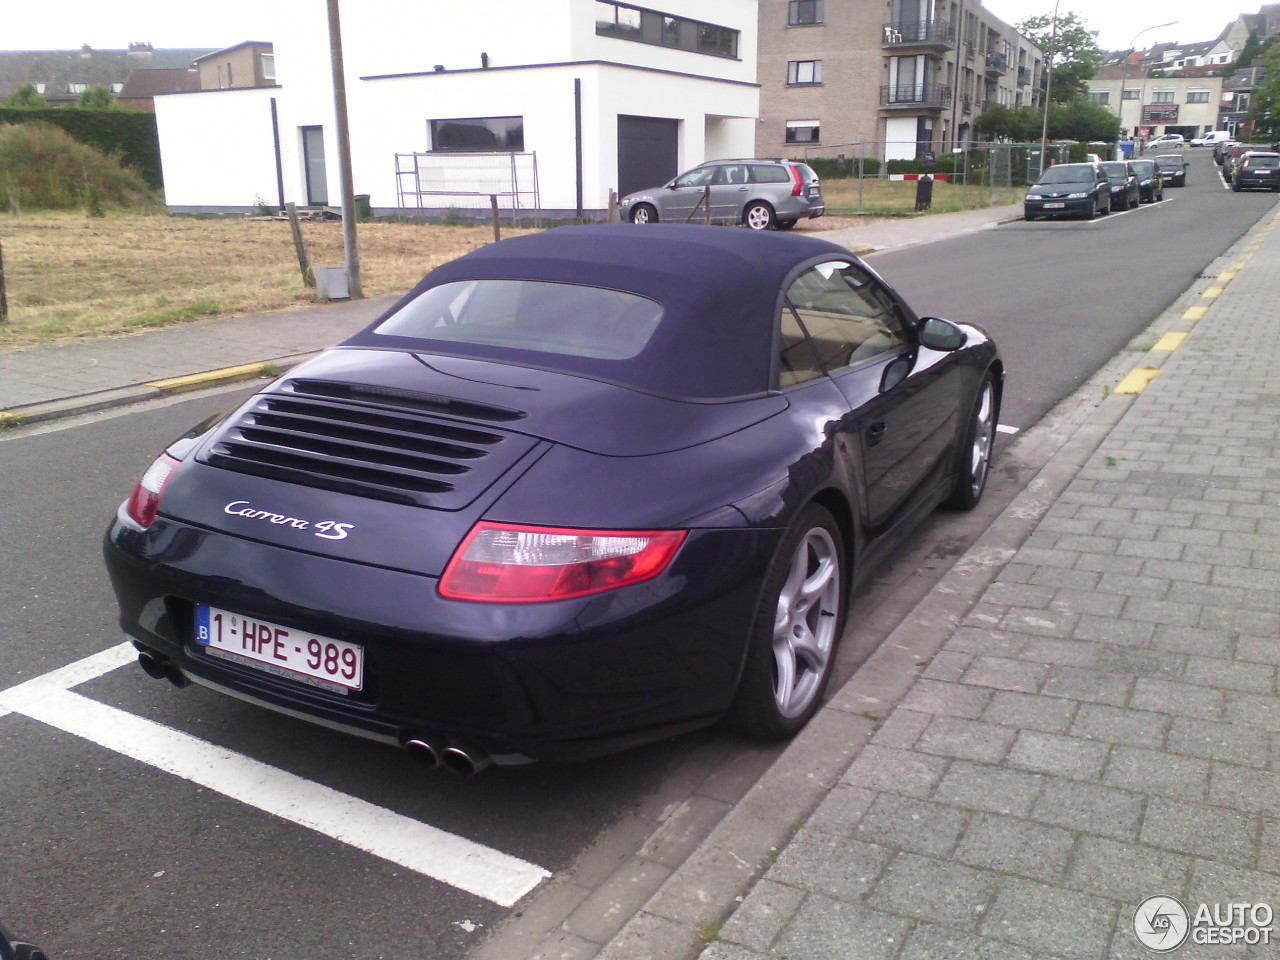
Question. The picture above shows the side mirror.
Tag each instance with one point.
(939, 334)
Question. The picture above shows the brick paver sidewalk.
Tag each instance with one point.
(1105, 725)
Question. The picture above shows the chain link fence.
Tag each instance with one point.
(446, 181)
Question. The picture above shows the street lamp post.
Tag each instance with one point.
(1124, 79)
(1048, 84)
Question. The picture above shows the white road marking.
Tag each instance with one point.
(1005, 428)
(417, 846)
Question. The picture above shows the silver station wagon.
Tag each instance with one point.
(760, 194)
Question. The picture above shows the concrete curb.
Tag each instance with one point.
(27, 414)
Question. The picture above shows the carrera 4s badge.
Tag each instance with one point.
(329, 529)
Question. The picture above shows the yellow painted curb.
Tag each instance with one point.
(1170, 341)
(195, 381)
(1195, 313)
(10, 419)
(1226, 277)
(1135, 381)
(1211, 293)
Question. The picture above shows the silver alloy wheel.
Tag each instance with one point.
(759, 217)
(642, 214)
(804, 626)
(984, 432)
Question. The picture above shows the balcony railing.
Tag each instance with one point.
(918, 96)
(919, 33)
(997, 63)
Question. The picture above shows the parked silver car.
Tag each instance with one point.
(760, 194)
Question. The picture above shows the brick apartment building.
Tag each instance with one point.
(887, 80)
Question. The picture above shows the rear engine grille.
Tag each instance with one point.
(383, 452)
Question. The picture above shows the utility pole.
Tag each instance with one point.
(350, 245)
(1048, 85)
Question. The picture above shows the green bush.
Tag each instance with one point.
(42, 167)
(128, 134)
(829, 168)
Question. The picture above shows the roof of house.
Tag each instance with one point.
(235, 46)
(57, 69)
(142, 84)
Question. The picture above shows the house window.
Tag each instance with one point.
(1101, 97)
(803, 131)
(1197, 96)
(1242, 102)
(117, 87)
(804, 12)
(76, 87)
(40, 88)
(478, 135)
(1132, 93)
(647, 26)
(804, 71)
(1162, 96)
(268, 66)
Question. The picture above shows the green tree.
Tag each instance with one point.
(96, 97)
(1082, 119)
(25, 97)
(1075, 51)
(1019, 124)
(1264, 109)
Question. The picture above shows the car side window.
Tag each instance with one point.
(796, 360)
(848, 316)
(731, 173)
(697, 177)
(769, 173)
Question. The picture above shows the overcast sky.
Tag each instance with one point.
(173, 23)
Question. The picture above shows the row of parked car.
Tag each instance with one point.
(1098, 187)
(1248, 166)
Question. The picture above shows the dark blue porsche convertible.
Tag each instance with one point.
(575, 492)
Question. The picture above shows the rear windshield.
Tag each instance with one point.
(1115, 169)
(547, 318)
(1068, 174)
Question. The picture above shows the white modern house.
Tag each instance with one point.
(550, 104)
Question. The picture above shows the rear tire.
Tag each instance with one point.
(973, 459)
(796, 630)
(644, 213)
(758, 215)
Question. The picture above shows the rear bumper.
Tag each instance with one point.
(549, 681)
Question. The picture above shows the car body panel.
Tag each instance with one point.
(1088, 194)
(733, 185)
(1125, 183)
(1150, 183)
(1172, 168)
(1256, 170)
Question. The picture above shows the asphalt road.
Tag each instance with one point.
(106, 855)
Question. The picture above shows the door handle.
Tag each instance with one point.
(875, 433)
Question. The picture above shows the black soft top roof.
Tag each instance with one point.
(718, 287)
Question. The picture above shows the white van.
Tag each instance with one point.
(1209, 139)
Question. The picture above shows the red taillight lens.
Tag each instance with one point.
(797, 183)
(145, 500)
(504, 562)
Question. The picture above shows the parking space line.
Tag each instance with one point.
(1005, 428)
(472, 867)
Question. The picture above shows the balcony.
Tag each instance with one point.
(915, 96)
(1024, 76)
(997, 64)
(918, 33)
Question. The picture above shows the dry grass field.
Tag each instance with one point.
(898, 197)
(69, 276)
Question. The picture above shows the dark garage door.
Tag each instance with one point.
(646, 152)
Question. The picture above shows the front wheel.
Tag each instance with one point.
(974, 460)
(797, 626)
(758, 216)
(644, 213)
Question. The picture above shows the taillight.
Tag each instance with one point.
(144, 502)
(797, 182)
(504, 562)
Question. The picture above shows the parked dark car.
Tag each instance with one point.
(1125, 192)
(1257, 170)
(12, 949)
(1150, 183)
(1232, 156)
(760, 194)
(576, 491)
(1172, 168)
(1220, 150)
(1069, 190)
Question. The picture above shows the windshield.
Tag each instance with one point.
(1144, 168)
(1169, 163)
(1115, 168)
(549, 318)
(1068, 174)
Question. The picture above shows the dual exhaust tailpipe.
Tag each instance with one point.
(457, 757)
(162, 668)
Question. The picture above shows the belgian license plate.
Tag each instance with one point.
(295, 654)
(1054, 206)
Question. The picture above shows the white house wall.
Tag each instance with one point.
(216, 149)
